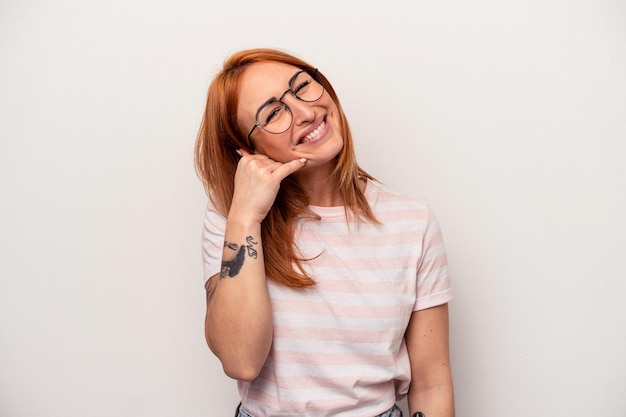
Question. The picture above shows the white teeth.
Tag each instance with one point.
(314, 133)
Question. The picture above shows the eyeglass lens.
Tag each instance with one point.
(276, 117)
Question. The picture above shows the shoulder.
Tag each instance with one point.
(381, 197)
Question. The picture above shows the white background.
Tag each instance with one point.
(509, 116)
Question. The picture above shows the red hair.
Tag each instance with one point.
(216, 162)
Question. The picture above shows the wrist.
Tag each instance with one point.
(243, 222)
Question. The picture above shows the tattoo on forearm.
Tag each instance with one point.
(231, 267)
(250, 246)
(232, 246)
(210, 289)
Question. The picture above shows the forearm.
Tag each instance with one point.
(431, 391)
(433, 400)
(239, 317)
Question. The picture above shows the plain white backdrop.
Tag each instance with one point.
(509, 116)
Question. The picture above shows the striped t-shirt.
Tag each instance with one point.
(338, 347)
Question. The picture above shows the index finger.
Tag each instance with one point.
(289, 168)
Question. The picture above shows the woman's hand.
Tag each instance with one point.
(257, 181)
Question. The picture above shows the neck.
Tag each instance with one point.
(321, 189)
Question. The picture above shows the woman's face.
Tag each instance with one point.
(315, 132)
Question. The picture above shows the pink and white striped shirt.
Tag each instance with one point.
(338, 347)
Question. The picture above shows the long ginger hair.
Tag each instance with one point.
(216, 161)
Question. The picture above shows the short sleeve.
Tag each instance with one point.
(212, 241)
(433, 281)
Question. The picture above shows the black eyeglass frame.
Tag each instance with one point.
(313, 74)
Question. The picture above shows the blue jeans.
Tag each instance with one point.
(392, 412)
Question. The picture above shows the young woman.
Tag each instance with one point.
(326, 294)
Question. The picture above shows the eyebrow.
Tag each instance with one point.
(273, 99)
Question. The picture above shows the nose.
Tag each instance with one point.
(301, 111)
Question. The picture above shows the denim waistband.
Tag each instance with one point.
(392, 412)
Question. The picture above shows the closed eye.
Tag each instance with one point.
(273, 113)
(300, 87)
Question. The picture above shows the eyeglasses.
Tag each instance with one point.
(275, 116)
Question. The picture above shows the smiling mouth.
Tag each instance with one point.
(314, 133)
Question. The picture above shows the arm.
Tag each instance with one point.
(431, 391)
(238, 324)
